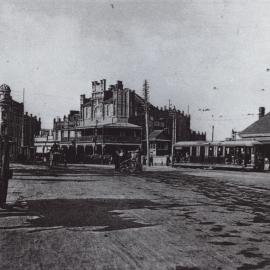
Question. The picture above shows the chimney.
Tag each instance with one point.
(119, 85)
(82, 99)
(261, 112)
(93, 86)
(103, 84)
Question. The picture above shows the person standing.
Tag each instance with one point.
(151, 161)
(138, 160)
(116, 159)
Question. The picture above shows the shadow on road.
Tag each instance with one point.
(80, 213)
(58, 171)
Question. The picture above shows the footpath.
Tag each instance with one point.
(213, 166)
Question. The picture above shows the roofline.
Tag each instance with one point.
(247, 135)
(105, 125)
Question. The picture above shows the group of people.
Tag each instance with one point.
(57, 155)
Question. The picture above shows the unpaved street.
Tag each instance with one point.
(87, 217)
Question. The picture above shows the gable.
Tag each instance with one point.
(259, 128)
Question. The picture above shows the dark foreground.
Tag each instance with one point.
(86, 217)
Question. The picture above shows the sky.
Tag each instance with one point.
(201, 54)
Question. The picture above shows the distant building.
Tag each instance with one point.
(43, 142)
(114, 117)
(19, 124)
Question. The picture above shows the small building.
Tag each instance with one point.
(43, 143)
(159, 143)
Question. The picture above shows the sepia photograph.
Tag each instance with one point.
(134, 135)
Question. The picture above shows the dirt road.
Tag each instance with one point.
(87, 217)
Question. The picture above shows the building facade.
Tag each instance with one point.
(21, 127)
(114, 117)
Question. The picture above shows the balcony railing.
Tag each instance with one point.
(124, 139)
(104, 139)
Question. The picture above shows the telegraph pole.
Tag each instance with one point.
(4, 131)
(22, 137)
(213, 130)
(173, 133)
(146, 107)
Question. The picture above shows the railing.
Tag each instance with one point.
(124, 139)
(104, 139)
(85, 139)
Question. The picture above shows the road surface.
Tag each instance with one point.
(88, 217)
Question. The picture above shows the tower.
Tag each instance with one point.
(5, 100)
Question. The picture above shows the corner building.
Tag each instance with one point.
(114, 117)
(21, 127)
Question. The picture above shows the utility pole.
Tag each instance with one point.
(4, 131)
(213, 130)
(22, 137)
(173, 134)
(146, 108)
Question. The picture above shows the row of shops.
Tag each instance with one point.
(252, 150)
(245, 153)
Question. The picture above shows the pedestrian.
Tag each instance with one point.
(138, 159)
(151, 161)
(168, 161)
(122, 155)
(51, 158)
(116, 159)
(144, 160)
(65, 156)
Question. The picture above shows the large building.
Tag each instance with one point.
(21, 127)
(114, 117)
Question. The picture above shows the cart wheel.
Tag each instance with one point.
(124, 170)
(132, 167)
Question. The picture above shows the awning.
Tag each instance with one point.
(180, 145)
(240, 143)
(237, 143)
(263, 140)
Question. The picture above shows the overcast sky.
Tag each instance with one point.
(205, 54)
